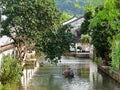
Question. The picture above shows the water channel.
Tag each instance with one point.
(50, 77)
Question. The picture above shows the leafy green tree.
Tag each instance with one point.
(84, 29)
(26, 19)
(55, 43)
(104, 24)
(115, 42)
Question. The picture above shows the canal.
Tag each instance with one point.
(50, 77)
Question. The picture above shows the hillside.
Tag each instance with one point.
(73, 7)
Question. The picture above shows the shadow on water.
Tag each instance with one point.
(50, 77)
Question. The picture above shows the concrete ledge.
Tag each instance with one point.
(106, 69)
(80, 55)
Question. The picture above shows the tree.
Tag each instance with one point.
(27, 19)
(55, 43)
(115, 63)
(84, 29)
(104, 24)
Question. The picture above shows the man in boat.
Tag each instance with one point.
(68, 73)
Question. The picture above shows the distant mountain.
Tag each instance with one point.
(73, 7)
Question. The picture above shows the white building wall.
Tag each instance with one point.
(75, 23)
(8, 52)
(4, 40)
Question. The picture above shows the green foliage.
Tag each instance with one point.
(55, 43)
(117, 3)
(76, 5)
(103, 25)
(27, 19)
(85, 38)
(65, 16)
(115, 52)
(107, 14)
(99, 40)
(10, 70)
(85, 25)
(3, 87)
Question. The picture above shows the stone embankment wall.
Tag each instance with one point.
(106, 69)
(113, 74)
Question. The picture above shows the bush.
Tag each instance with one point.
(2, 87)
(115, 54)
(85, 38)
(11, 70)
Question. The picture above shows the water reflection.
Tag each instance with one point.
(50, 77)
(27, 75)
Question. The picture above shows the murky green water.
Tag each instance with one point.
(50, 77)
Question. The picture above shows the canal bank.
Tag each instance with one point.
(50, 77)
(115, 75)
(86, 77)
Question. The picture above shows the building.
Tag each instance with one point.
(6, 47)
(75, 24)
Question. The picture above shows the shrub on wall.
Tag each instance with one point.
(85, 39)
(11, 70)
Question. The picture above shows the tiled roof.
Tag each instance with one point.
(5, 40)
(3, 17)
(70, 20)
